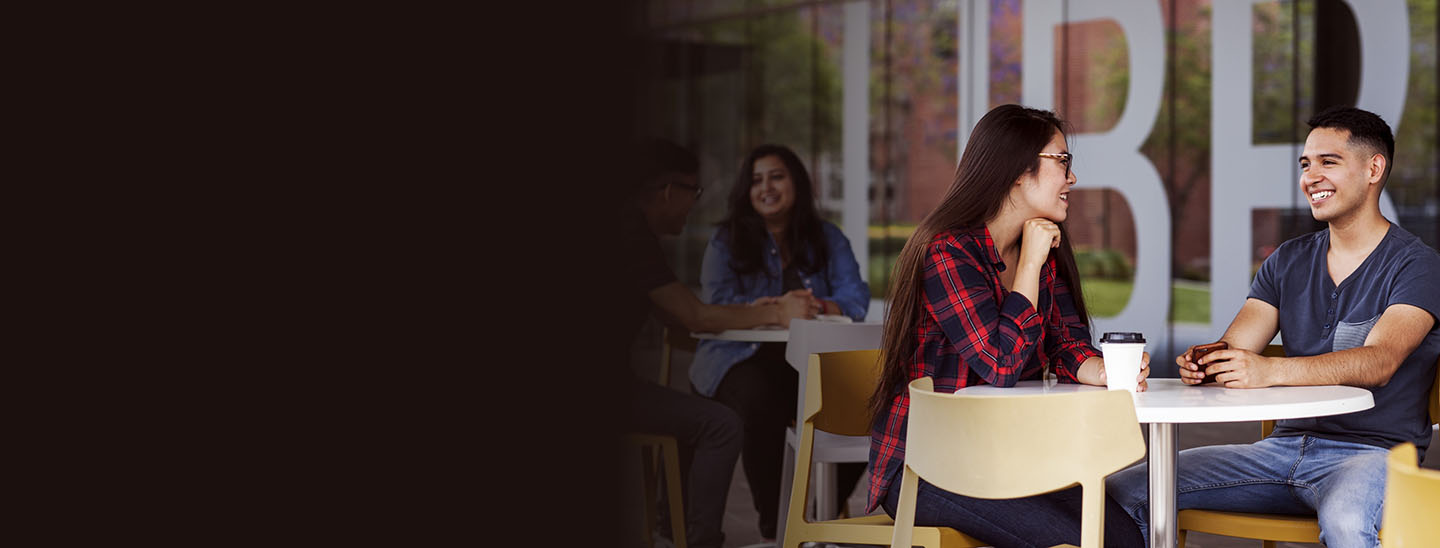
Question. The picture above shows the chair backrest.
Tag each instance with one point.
(838, 402)
(1015, 446)
(1411, 494)
(813, 336)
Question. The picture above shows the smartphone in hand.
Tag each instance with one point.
(1202, 350)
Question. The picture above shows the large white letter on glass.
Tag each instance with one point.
(1113, 159)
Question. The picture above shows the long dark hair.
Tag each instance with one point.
(1004, 146)
(805, 237)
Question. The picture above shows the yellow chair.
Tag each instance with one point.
(1271, 528)
(655, 447)
(1411, 498)
(999, 447)
(836, 395)
(658, 450)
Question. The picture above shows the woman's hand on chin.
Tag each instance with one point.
(1039, 236)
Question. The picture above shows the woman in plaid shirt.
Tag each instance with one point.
(986, 292)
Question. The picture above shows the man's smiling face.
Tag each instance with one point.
(1334, 173)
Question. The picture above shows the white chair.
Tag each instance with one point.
(813, 337)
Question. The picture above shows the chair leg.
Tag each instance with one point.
(792, 528)
(672, 481)
(787, 476)
(1181, 537)
(1092, 513)
(901, 537)
(824, 491)
(1269, 544)
(647, 458)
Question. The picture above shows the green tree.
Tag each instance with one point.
(792, 85)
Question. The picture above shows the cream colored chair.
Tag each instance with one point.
(1412, 495)
(836, 398)
(1000, 447)
(1271, 528)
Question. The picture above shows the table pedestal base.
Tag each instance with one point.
(1162, 485)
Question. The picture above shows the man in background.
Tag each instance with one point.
(665, 189)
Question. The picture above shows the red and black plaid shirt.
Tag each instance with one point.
(974, 331)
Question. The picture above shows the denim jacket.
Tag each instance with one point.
(838, 281)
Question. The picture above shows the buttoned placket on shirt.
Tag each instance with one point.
(774, 263)
(778, 267)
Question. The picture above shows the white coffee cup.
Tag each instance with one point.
(1123, 353)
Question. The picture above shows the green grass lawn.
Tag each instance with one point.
(1106, 298)
(879, 267)
(1191, 305)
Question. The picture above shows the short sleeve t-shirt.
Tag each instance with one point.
(1317, 317)
(645, 269)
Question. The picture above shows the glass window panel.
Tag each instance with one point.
(1179, 147)
(1006, 34)
(1093, 76)
(1283, 91)
(1414, 183)
(914, 123)
(732, 74)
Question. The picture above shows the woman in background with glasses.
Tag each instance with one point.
(986, 292)
(772, 246)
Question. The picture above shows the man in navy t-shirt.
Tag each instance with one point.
(1357, 305)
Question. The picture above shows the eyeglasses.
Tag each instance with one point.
(1065, 158)
(697, 188)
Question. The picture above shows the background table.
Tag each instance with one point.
(780, 334)
(1168, 402)
(759, 334)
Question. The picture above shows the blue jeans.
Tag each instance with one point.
(1042, 520)
(1341, 483)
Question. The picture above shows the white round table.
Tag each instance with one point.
(759, 334)
(1168, 402)
(773, 333)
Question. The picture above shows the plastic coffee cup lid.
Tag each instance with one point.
(1122, 337)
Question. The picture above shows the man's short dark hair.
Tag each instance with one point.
(658, 157)
(1366, 130)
